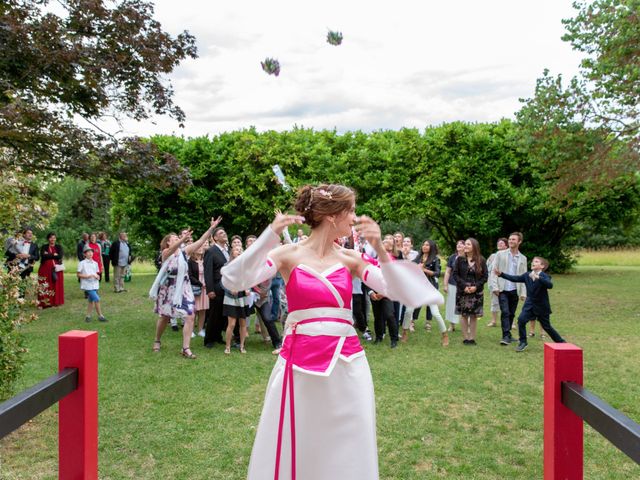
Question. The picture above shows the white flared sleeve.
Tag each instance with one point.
(402, 281)
(253, 266)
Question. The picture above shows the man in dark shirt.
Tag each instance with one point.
(80, 246)
(214, 259)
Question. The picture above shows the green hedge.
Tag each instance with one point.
(454, 180)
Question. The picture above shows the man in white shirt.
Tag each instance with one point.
(513, 262)
(298, 236)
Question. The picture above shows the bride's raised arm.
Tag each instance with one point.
(401, 280)
(254, 265)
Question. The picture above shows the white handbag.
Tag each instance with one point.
(59, 267)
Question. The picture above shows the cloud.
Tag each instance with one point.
(410, 64)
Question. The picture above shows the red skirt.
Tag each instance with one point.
(51, 294)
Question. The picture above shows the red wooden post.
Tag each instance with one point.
(563, 429)
(78, 415)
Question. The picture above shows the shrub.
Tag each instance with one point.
(17, 297)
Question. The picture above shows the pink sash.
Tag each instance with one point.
(288, 382)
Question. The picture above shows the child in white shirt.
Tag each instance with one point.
(89, 282)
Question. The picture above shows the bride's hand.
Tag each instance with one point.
(282, 221)
(370, 230)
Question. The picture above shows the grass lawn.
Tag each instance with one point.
(456, 413)
(613, 257)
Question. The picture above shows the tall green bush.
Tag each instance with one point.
(16, 296)
(22, 204)
(83, 206)
(454, 180)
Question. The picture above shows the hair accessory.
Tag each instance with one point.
(310, 200)
(319, 191)
(325, 193)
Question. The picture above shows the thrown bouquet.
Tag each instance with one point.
(334, 38)
(271, 66)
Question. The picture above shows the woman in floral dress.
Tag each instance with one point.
(172, 288)
(471, 274)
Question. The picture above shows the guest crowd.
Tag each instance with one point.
(188, 288)
(95, 254)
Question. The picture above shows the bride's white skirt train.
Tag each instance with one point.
(335, 425)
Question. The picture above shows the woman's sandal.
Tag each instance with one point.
(227, 351)
(242, 350)
(156, 346)
(187, 353)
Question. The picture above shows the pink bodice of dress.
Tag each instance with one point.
(320, 313)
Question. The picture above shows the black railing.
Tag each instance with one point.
(619, 429)
(18, 410)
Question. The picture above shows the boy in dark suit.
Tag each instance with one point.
(536, 306)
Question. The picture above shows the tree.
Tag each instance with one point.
(22, 203)
(92, 61)
(588, 131)
(231, 176)
(608, 31)
(82, 207)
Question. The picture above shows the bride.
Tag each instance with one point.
(318, 418)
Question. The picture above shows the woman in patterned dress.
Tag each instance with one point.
(471, 274)
(172, 288)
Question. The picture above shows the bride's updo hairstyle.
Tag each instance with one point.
(315, 203)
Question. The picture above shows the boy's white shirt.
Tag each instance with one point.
(88, 267)
(535, 274)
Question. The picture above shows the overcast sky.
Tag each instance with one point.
(401, 64)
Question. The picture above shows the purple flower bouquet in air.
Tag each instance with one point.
(271, 66)
(334, 38)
